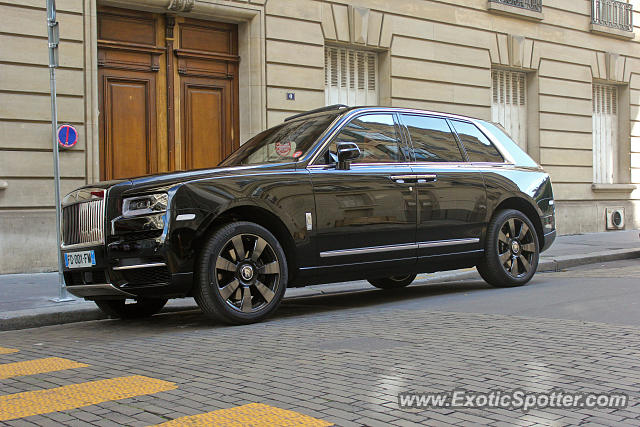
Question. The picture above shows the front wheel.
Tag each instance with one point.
(393, 282)
(242, 274)
(120, 309)
(511, 250)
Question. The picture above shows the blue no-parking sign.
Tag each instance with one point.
(67, 136)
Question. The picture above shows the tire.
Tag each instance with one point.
(241, 274)
(512, 250)
(393, 282)
(118, 308)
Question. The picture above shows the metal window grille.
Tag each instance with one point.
(509, 103)
(605, 132)
(535, 5)
(614, 14)
(351, 76)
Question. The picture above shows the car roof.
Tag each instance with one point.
(343, 110)
(374, 108)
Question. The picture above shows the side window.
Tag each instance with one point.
(376, 137)
(432, 139)
(478, 146)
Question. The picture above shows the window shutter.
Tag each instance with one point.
(605, 132)
(350, 76)
(509, 103)
(372, 68)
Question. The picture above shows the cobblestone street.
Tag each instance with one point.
(342, 359)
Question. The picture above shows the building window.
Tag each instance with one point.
(509, 103)
(613, 14)
(605, 132)
(350, 76)
(535, 5)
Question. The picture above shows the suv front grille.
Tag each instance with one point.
(83, 223)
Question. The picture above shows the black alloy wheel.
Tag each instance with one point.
(512, 250)
(242, 274)
(119, 308)
(393, 282)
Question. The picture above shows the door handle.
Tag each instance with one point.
(429, 177)
(401, 179)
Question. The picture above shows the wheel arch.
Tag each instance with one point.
(522, 205)
(260, 216)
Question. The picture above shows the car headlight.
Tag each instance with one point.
(142, 205)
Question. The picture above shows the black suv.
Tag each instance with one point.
(330, 195)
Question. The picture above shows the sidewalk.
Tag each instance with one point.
(25, 299)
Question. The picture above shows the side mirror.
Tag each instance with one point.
(347, 151)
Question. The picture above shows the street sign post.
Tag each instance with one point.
(53, 32)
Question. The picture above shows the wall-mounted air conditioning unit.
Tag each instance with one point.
(615, 218)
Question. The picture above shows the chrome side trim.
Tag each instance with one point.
(185, 217)
(404, 176)
(398, 164)
(436, 243)
(389, 248)
(131, 267)
(81, 245)
(309, 220)
(372, 249)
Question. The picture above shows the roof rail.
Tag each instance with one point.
(317, 110)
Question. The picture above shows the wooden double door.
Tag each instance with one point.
(168, 92)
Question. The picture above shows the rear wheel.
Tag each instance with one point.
(511, 251)
(119, 308)
(393, 282)
(242, 274)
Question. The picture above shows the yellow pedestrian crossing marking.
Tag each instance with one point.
(20, 405)
(4, 350)
(37, 366)
(251, 415)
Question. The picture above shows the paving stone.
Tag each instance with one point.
(284, 363)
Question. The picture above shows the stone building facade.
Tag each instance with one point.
(147, 81)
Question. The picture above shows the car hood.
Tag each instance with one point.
(164, 181)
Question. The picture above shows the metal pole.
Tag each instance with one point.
(53, 47)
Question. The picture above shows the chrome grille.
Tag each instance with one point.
(83, 223)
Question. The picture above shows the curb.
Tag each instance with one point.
(563, 262)
(83, 312)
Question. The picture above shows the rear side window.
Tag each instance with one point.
(520, 157)
(432, 139)
(375, 135)
(477, 145)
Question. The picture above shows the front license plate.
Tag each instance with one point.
(80, 259)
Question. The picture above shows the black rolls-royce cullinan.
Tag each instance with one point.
(330, 195)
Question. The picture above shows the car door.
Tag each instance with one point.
(451, 196)
(366, 215)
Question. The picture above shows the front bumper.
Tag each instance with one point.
(103, 291)
(136, 269)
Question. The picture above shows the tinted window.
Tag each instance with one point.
(376, 137)
(432, 139)
(520, 157)
(478, 146)
(283, 143)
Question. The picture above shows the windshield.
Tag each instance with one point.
(283, 143)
